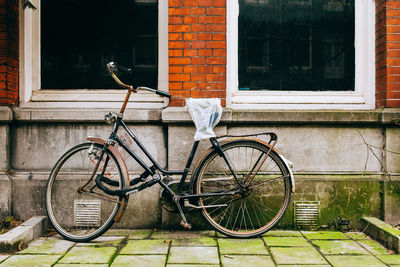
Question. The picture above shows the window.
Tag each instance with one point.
(301, 54)
(67, 43)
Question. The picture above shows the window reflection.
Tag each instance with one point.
(296, 45)
(78, 38)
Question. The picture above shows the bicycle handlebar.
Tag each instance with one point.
(112, 68)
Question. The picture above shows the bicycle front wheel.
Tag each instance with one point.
(77, 209)
(266, 182)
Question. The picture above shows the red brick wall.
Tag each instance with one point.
(387, 53)
(9, 52)
(197, 49)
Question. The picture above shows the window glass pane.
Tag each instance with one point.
(78, 38)
(296, 45)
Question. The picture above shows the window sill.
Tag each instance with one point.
(110, 99)
(82, 115)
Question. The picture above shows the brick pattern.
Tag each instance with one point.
(197, 50)
(9, 52)
(387, 53)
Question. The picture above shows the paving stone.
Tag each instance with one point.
(118, 232)
(357, 235)
(289, 241)
(103, 241)
(30, 260)
(192, 265)
(324, 235)
(139, 234)
(247, 260)
(195, 242)
(282, 233)
(339, 247)
(193, 255)
(297, 255)
(354, 261)
(141, 260)
(89, 254)
(373, 246)
(242, 246)
(158, 246)
(77, 264)
(305, 265)
(181, 234)
(390, 259)
(3, 257)
(48, 246)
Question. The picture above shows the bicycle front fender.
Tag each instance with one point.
(124, 173)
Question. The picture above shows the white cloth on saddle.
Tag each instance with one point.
(205, 113)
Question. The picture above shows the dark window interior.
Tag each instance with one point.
(296, 45)
(79, 37)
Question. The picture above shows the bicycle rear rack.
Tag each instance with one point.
(272, 141)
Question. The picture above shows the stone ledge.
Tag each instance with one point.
(383, 232)
(26, 232)
(6, 114)
(82, 115)
(180, 115)
(385, 116)
(305, 116)
(391, 115)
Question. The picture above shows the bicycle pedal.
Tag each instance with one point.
(186, 225)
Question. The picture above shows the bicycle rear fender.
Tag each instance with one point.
(124, 173)
(288, 164)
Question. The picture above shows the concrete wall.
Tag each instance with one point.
(332, 162)
(5, 184)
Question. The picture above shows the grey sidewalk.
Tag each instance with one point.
(167, 248)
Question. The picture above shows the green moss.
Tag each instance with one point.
(327, 235)
(364, 260)
(27, 260)
(390, 259)
(373, 246)
(339, 247)
(242, 246)
(297, 255)
(89, 254)
(158, 246)
(247, 260)
(195, 242)
(275, 241)
(349, 198)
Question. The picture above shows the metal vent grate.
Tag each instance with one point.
(306, 214)
(87, 212)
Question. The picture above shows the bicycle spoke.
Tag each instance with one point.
(81, 215)
(251, 211)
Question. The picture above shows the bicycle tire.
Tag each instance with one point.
(248, 214)
(81, 216)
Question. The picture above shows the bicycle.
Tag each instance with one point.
(242, 185)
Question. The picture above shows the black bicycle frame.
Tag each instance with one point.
(152, 170)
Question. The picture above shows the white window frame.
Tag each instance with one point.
(363, 97)
(32, 96)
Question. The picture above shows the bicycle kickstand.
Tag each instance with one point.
(185, 224)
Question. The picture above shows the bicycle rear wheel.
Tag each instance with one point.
(250, 212)
(75, 214)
